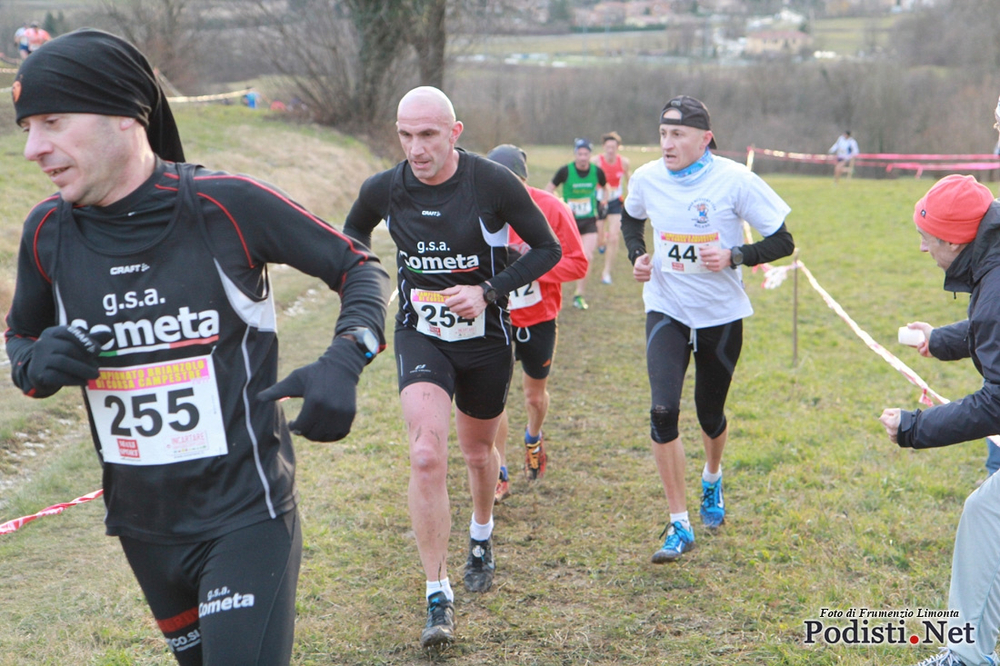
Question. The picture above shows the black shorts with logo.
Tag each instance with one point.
(476, 375)
(229, 600)
(535, 347)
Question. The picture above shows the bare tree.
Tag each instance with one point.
(167, 31)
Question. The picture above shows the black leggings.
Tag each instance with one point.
(229, 600)
(668, 351)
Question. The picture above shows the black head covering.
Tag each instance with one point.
(91, 71)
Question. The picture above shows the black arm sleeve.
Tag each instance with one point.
(370, 208)
(634, 232)
(33, 307)
(777, 245)
(500, 192)
(561, 175)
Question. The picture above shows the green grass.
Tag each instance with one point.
(824, 512)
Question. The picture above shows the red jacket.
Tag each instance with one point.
(572, 266)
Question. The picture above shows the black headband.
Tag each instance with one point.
(91, 71)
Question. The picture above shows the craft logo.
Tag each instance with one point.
(869, 626)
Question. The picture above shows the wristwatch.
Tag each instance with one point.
(736, 258)
(490, 294)
(366, 341)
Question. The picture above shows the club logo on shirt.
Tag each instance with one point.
(701, 208)
(165, 332)
(458, 263)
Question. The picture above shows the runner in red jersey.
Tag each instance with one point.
(533, 312)
(615, 168)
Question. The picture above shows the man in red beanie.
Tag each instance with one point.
(959, 225)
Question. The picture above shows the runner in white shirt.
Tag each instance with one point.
(693, 293)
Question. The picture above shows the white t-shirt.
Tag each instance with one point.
(708, 206)
(845, 148)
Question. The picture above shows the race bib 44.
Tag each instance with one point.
(679, 252)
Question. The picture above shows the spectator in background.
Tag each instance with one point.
(845, 149)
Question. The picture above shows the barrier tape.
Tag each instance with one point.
(55, 509)
(776, 275)
(891, 161)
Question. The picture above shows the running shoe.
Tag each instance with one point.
(713, 507)
(678, 541)
(503, 487)
(480, 566)
(602, 249)
(440, 627)
(943, 658)
(579, 303)
(605, 279)
(535, 459)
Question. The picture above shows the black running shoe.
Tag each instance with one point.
(480, 566)
(440, 628)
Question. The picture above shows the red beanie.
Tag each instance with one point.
(952, 209)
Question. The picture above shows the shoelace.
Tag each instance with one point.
(672, 540)
(708, 496)
(439, 611)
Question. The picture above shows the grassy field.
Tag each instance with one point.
(824, 512)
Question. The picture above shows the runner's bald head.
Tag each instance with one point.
(426, 100)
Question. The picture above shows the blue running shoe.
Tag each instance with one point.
(713, 507)
(679, 540)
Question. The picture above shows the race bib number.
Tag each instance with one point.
(525, 297)
(581, 207)
(436, 320)
(679, 252)
(158, 414)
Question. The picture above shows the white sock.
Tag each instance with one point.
(681, 518)
(480, 532)
(440, 586)
(709, 477)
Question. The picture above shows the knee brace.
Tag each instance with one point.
(663, 424)
(714, 425)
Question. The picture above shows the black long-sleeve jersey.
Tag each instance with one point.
(455, 233)
(176, 272)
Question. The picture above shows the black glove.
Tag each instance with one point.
(63, 356)
(602, 210)
(328, 388)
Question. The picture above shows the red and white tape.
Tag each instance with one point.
(18, 523)
(776, 275)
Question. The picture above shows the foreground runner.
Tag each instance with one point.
(580, 181)
(694, 296)
(615, 168)
(533, 312)
(447, 211)
(959, 225)
(144, 281)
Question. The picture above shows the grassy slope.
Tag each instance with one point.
(824, 511)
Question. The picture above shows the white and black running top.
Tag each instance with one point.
(455, 233)
(176, 272)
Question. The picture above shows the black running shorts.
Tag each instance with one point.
(587, 225)
(477, 377)
(229, 600)
(535, 347)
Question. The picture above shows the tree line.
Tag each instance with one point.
(931, 90)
